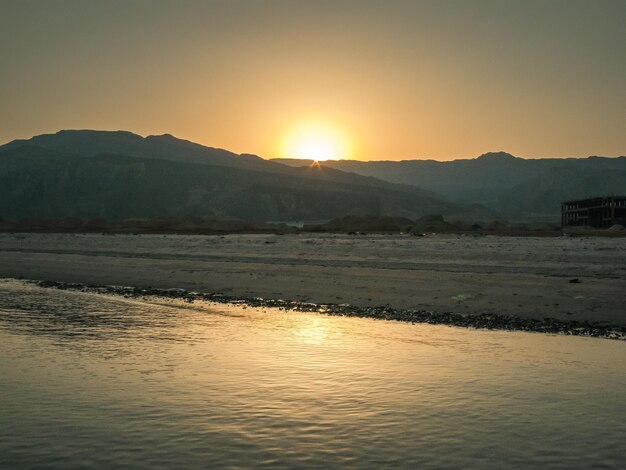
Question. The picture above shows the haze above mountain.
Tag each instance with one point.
(118, 174)
(510, 185)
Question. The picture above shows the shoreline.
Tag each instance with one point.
(488, 321)
(577, 281)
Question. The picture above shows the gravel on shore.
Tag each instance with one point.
(483, 321)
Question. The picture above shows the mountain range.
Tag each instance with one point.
(121, 175)
(118, 174)
(508, 185)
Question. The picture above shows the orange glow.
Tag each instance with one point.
(315, 141)
(386, 80)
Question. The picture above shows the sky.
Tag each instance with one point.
(360, 79)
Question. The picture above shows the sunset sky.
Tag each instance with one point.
(374, 79)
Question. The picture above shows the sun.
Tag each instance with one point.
(316, 141)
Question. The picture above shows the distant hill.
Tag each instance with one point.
(498, 180)
(165, 147)
(117, 175)
(90, 143)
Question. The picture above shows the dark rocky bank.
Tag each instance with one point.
(484, 321)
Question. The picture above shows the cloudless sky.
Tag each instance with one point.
(436, 79)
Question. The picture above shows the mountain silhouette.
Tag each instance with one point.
(119, 174)
(510, 185)
(496, 157)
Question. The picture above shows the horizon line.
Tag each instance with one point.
(270, 158)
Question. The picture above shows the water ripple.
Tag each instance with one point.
(98, 381)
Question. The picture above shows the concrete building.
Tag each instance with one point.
(599, 212)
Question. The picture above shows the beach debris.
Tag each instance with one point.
(462, 297)
(574, 281)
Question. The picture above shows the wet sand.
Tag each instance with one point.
(527, 278)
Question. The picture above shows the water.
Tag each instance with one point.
(99, 381)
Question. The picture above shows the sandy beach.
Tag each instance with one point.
(521, 277)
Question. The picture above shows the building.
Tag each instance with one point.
(599, 212)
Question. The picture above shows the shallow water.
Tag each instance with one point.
(94, 381)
